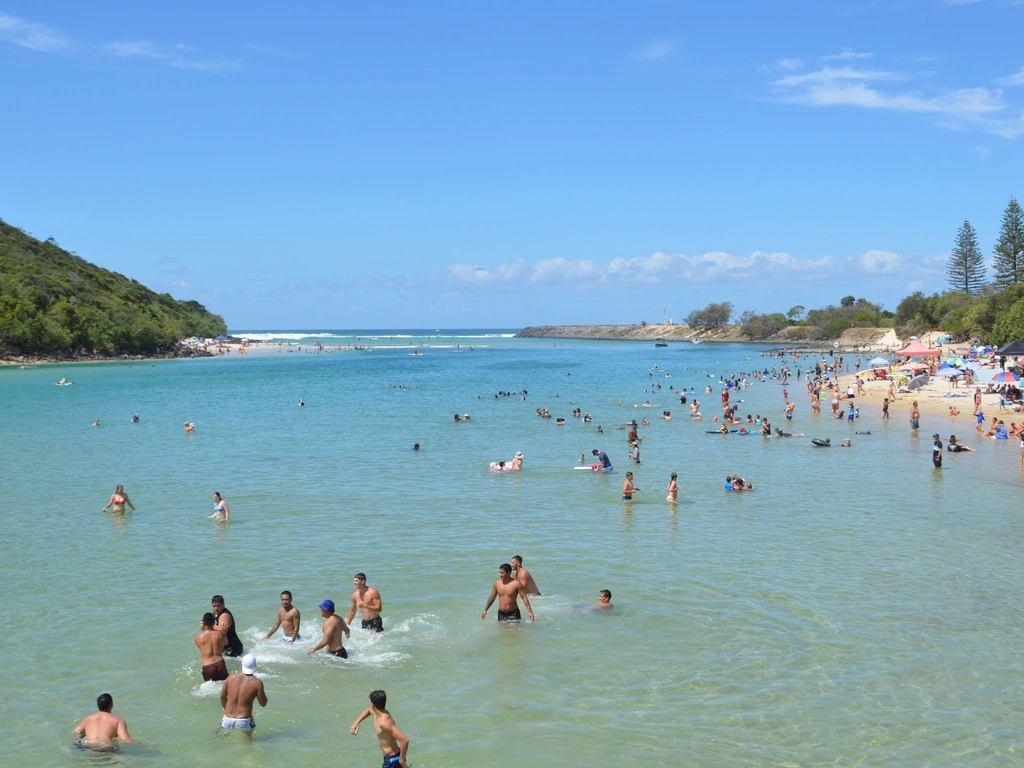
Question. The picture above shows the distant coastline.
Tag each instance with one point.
(852, 337)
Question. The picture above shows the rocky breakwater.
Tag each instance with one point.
(637, 332)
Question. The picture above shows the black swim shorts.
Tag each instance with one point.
(512, 615)
(375, 624)
(341, 653)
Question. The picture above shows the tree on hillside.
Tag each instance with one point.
(795, 313)
(1008, 255)
(966, 268)
(712, 316)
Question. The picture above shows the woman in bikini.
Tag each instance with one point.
(220, 508)
(673, 490)
(118, 499)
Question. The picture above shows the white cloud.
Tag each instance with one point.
(31, 34)
(789, 63)
(1014, 80)
(982, 151)
(472, 275)
(978, 108)
(880, 262)
(847, 55)
(178, 56)
(656, 51)
(561, 270)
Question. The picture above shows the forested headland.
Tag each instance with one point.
(55, 303)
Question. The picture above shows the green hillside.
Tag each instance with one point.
(53, 303)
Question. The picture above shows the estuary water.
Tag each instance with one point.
(857, 608)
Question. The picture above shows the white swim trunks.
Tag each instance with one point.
(239, 723)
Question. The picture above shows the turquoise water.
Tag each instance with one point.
(858, 608)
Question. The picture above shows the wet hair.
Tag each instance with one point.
(217, 494)
(673, 475)
(208, 619)
(119, 487)
(360, 576)
(105, 702)
(505, 568)
(605, 593)
(517, 559)
(218, 599)
(379, 699)
(629, 474)
(594, 452)
(286, 592)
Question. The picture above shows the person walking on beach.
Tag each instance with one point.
(673, 490)
(100, 729)
(118, 499)
(334, 625)
(937, 451)
(506, 590)
(523, 576)
(367, 599)
(210, 642)
(226, 624)
(915, 417)
(238, 694)
(628, 489)
(287, 618)
(393, 743)
(977, 400)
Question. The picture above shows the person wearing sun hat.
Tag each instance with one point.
(517, 461)
(238, 694)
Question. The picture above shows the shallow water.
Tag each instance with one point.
(858, 608)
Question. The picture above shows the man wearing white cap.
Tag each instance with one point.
(238, 694)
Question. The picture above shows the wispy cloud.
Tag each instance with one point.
(179, 56)
(1014, 80)
(847, 55)
(977, 108)
(472, 275)
(789, 64)
(880, 262)
(33, 35)
(41, 37)
(656, 50)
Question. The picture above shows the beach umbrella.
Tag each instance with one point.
(955, 361)
(912, 367)
(918, 381)
(1004, 376)
(949, 373)
(1014, 348)
(974, 365)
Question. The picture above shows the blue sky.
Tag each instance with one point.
(443, 164)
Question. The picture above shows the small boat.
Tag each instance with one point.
(660, 344)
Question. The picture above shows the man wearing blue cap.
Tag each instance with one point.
(334, 625)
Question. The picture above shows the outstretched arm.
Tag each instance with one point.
(273, 629)
(355, 726)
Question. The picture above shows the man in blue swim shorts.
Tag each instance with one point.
(393, 743)
(603, 464)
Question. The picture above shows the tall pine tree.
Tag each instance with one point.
(966, 268)
(1008, 256)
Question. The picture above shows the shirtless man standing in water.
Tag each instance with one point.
(367, 599)
(238, 694)
(287, 618)
(210, 643)
(99, 729)
(334, 625)
(393, 743)
(507, 590)
(523, 576)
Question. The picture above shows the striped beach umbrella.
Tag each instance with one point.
(1006, 376)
